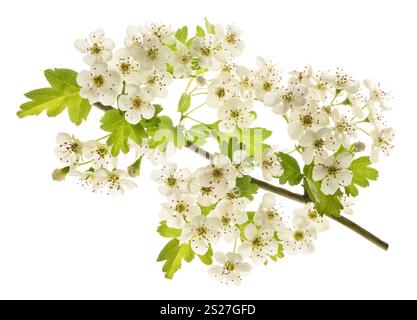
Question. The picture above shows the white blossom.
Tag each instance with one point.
(220, 174)
(151, 53)
(126, 66)
(229, 39)
(208, 53)
(156, 81)
(299, 240)
(178, 208)
(270, 165)
(316, 143)
(137, 102)
(308, 117)
(96, 47)
(334, 172)
(347, 203)
(242, 163)
(172, 179)
(342, 81)
(206, 195)
(201, 232)
(308, 215)
(382, 140)
(376, 94)
(269, 215)
(181, 60)
(259, 244)
(229, 216)
(229, 268)
(69, 149)
(88, 180)
(345, 128)
(114, 181)
(283, 99)
(222, 88)
(99, 84)
(235, 113)
(99, 154)
(267, 79)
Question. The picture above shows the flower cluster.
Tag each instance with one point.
(335, 123)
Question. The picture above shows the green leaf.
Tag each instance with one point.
(206, 210)
(182, 34)
(292, 172)
(166, 132)
(253, 139)
(184, 103)
(121, 131)
(361, 171)
(198, 134)
(210, 28)
(208, 257)
(63, 93)
(242, 227)
(280, 253)
(173, 253)
(154, 121)
(200, 32)
(325, 204)
(168, 232)
(246, 188)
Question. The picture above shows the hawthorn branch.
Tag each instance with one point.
(302, 198)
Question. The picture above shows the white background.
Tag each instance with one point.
(58, 241)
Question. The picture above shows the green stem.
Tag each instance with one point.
(106, 136)
(195, 120)
(84, 163)
(192, 110)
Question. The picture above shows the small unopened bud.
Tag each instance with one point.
(60, 174)
(358, 147)
(134, 169)
(201, 81)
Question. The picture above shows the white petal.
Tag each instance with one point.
(329, 185)
(250, 231)
(319, 172)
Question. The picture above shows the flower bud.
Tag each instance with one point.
(201, 81)
(134, 169)
(358, 147)
(60, 174)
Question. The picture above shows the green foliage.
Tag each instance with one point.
(168, 232)
(210, 28)
(121, 131)
(184, 103)
(279, 254)
(207, 258)
(200, 32)
(325, 204)
(206, 210)
(182, 34)
(253, 139)
(173, 253)
(246, 188)
(292, 172)
(166, 132)
(154, 121)
(362, 173)
(242, 226)
(198, 134)
(63, 94)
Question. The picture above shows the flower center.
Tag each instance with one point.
(137, 102)
(206, 51)
(102, 152)
(225, 220)
(125, 67)
(171, 181)
(96, 49)
(201, 231)
(229, 266)
(220, 92)
(98, 81)
(180, 207)
(231, 38)
(287, 97)
(298, 236)
(267, 86)
(257, 242)
(319, 144)
(312, 214)
(271, 214)
(153, 53)
(332, 170)
(217, 173)
(185, 58)
(235, 114)
(206, 190)
(306, 120)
